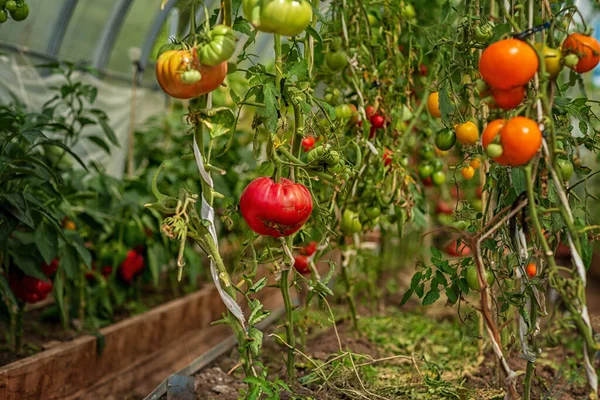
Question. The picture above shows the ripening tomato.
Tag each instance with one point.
(531, 270)
(468, 172)
(433, 104)
(173, 64)
(220, 47)
(275, 209)
(586, 48)
(508, 63)
(309, 249)
(475, 163)
(489, 133)
(369, 111)
(443, 208)
(302, 265)
(552, 59)
(467, 133)
(521, 139)
(284, 17)
(454, 249)
(509, 98)
(308, 143)
(388, 156)
(473, 278)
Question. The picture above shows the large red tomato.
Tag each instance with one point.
(172, 64)
(275, 209)
(586, 48)
(508, 63)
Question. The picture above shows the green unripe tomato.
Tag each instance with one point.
(336, 60)
(425, 171)
(3, 16)
(350, 223)
(437, 164)
(460, 225)
(566, 168)
(494, 150)
(10, 5)
(473, 279)
(426, 152)
(438, 178)
(373, 212)
(445, 139)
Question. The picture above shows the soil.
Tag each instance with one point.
(558, 375)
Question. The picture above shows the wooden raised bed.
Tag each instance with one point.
(139, 353)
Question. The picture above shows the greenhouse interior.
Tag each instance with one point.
(299, 199)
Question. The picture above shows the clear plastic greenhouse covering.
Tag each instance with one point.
(117, 38)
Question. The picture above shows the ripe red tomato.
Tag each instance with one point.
(586, 48)
(378, 121)
(172, 64)
(508, 63)
(50, 269)
(308, 143)
(301, 264)
(508, 99)
(462, 250)
(369, 111)
(275, 209)
(443, 208)
(309, 249)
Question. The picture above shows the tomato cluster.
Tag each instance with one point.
(18, 10)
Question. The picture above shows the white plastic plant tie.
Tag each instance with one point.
(577, 260)
(590, 370)
(371, 147)
(522, 241)
(208, 213)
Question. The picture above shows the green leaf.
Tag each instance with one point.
(518, 180)
(416, 279)
(99, 142)
(431, 297)
(407, 295)
(256, 337)
(46, 240)
(268, 113)
(29, 264)
(299, 70)
(552, 193)
(219, 121)
(16, 205)
(435, 254)
(6, 292)
(69, 262)
(446, 106)
(110, 134)
(463, 285)
(441, 278)
(84, 254)
(59, 296)
(451, 294)
(313, 32)
(258, 286)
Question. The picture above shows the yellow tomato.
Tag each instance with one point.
(467, 133)
(468, 172)
(475, 163)
(552, 59)
(433, 104)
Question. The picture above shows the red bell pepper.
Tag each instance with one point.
(28, 288)
(133, 264)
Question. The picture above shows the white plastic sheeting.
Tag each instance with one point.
(33, 90)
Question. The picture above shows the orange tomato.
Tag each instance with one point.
(468, 172)
(531, 270)
(173, 63)
(433, 104)
(489, 133)
(520, 138)
(508, 63)
(586, 48)
(467, 133)
(475, 163)
(508, 99)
